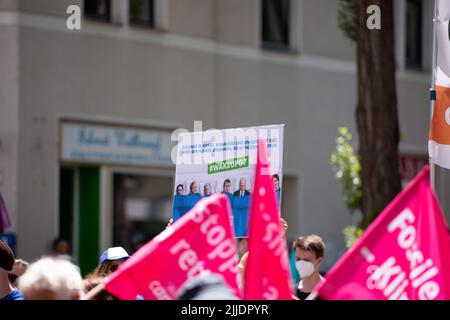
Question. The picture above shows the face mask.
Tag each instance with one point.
(304, 268)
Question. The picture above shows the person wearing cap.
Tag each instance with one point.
(7, 259)
(110, 260)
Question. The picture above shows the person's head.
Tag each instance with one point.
(207, 188)
(51, 278)
(242, 184)
(309, 254)
(61, 247)
(226, 186)
(276, 182)
(193, 187)
(110, 260)
(19, 268)
(7, 259)
(180, 189)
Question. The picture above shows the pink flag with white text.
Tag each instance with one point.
(267, 275)
(200, 241)
(403, 255)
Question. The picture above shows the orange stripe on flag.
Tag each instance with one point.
(440, 126)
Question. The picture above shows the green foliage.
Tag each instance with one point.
(347, 18)
(347, 169)
(352, 233)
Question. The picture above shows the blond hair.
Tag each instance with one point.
(55, 275)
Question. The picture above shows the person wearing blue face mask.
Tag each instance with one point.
(309, 254)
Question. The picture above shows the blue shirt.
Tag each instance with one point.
(13, 295)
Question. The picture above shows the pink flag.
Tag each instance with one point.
(404, 254)
(267, 275)
(200, 241)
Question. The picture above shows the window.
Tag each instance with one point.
(98, 9)
(142, 12)
(275, 24)
(414, 34)
(140, 210)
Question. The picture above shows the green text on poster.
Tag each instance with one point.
(228, 165)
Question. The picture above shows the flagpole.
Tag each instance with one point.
(433, 94)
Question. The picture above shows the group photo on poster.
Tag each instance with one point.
(207, 164)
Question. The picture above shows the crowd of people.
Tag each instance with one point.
(56, 276)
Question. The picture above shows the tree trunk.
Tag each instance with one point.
(376, 112)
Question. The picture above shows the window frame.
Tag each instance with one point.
(97, 17)
(286, 46)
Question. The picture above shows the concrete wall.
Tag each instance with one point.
(192, 17)
(414, 111)
(238, 22)
(321, 35)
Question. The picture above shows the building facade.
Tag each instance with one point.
(160, 65)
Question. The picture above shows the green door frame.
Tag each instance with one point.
(89, 218)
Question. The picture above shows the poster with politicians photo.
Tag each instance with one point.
(223, 161)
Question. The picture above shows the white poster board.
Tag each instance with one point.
(224, 161)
